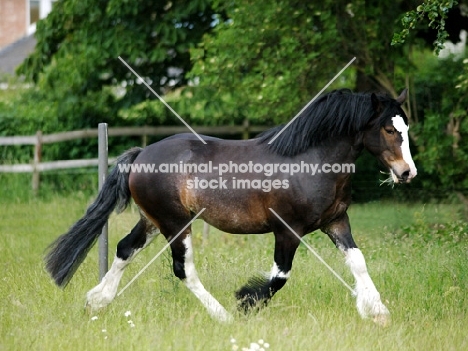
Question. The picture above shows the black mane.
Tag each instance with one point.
(339, 113)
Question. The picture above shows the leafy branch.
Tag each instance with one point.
(433, 10)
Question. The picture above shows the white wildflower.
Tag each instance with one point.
(127, 314)
(94, 318)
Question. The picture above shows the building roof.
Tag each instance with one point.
(14, 54)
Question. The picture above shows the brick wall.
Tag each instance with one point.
(13, 21)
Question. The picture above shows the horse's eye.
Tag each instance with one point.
(390, 131)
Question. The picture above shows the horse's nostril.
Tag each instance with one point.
(405, 175)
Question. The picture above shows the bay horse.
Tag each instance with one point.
(333, 130)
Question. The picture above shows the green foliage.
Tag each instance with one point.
(433, 11)
(463, 79)
(34, 109)
(78, 80)
(266, 62)
(442, 97)
(76, 58)
(449, 233)
(443, 128)
(16, 188)
(24, 111)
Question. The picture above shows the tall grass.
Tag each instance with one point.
(18, 187)
(424, 284)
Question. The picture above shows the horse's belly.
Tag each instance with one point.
(241, 212)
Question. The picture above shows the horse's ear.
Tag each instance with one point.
(401, 99)
(376, 104)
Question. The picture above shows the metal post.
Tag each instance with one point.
(102, 170)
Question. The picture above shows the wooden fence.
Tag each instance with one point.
(38, 140)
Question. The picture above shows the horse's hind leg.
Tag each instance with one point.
(184, 269)
(140, 237)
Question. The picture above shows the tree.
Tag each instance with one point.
(266, 62)
(75, 62)
(244, 60)
(442, 126)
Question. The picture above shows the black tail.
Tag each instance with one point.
(70, 249)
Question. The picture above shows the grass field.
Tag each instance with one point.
(423, 282)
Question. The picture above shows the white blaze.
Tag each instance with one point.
(400, 126)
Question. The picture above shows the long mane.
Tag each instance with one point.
(336, 114)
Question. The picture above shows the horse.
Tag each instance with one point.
(276, 179)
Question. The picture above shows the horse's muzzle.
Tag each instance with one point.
(404, 177)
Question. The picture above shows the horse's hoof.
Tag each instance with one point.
(92, 307)
(382, 320)
(96, 300)
(224, 317)
(250, 304)
(100, 296)
(88, 308)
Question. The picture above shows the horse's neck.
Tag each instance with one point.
(345, 150)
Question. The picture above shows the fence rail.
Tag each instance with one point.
(36, 166)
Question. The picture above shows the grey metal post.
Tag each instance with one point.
(102, 170)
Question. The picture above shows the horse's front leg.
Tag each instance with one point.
(368, 300)
(258, 292)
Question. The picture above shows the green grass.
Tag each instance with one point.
(423, 283)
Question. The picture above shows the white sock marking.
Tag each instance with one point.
(276, 273)
(367, 297)
(400, 126)
(103, 293)
(194, 284)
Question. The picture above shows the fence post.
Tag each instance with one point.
(36, 162)
(144, 139)
(245, 132)
(102, 170)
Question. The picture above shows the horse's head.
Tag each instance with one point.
(387, 138)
